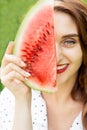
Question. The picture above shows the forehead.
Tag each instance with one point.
(64, 24)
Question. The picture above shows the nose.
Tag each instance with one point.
(59, 53)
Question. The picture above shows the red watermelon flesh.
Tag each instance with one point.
(35, 44)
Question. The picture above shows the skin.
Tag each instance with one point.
(62, 110)
(13, 77)
(69, 53)
(68, 49)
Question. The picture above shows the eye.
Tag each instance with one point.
(69, 43)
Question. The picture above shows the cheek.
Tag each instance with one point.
(77, 56)
(78, 61)
(74, 55)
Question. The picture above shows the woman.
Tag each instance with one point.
(65, 109)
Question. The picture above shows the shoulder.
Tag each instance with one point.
(7, 102)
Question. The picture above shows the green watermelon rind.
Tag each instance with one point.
(17, 42)
(35, 86)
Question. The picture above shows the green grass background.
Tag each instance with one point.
(12, 13)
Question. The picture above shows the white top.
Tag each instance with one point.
(39, 112)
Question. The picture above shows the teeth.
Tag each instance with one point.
(60, 67)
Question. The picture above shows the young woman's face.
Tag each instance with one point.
(68, 49)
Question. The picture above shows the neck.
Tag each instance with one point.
(63, 94)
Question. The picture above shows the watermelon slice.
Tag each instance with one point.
(35, 44)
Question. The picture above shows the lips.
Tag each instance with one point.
(61, 68)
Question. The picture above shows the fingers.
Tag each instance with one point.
(12, 67)
(12, 59)
(11, 76)
(9, 49)
(15, 83)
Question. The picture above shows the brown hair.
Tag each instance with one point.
(78, 11)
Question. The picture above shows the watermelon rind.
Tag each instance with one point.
(35, 86)
(19, 36)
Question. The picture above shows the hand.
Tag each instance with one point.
(12, 73)
(13, 77)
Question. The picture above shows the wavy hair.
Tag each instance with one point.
(78, 11)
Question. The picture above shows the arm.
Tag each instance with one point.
(13, 76)
(22, 120)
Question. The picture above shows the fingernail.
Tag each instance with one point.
(17, 81)
(23, 64)
(27, 74)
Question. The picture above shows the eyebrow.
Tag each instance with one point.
(70, 35)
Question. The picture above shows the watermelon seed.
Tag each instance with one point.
(27, 47)
(39, 48)
(35, 54)
(28, 54)
(26, 43)
(44, 38)
(24, 56)
(48, 24)
(33, 57)
(24, 50)
(39, 41)
(48, 32)
(40, 38)
(44, 35)
(34, 51)
(34, 45)
(32, 60)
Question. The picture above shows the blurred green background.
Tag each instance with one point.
(12, 13)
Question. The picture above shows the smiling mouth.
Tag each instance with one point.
(62, 68)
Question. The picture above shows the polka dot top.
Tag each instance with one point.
(39, 112)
